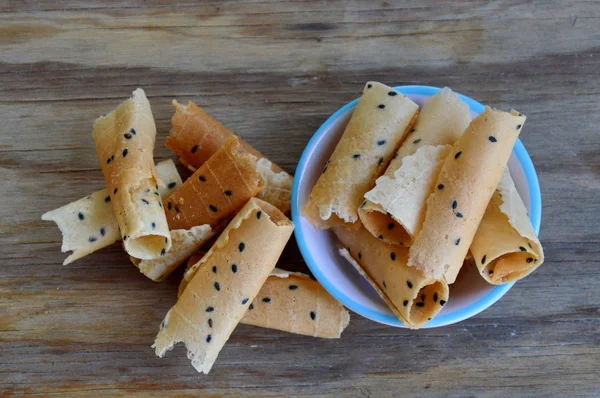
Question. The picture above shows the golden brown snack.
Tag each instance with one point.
(379, 123)
(125, 144)
(195, 136)
(395, 207)
(464, 187)
(216, 190)
(226, 281)
(412, 297)
(89, 224)
(505, 247)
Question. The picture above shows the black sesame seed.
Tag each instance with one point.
(380, 162)
(440, 186)
(127, 135)
(359, 255)
(110, 159)
(457, 155)
(92, 239)
(172, 185)
(147, 191)
(363, 204)
(529, 245)
(266, 300)
(169, 205)
(529, 259)
(125, 237)
(381, 142)
(81, 216)
(166, 239)
(156, 193)
(491, 272)
(459, 215)
(391, 225)
(442, 302)
(259, 214)
(535, 261)
(522, 249)
(244, 301)
(194, 148)
(202, 178)
(160, 204)
(210, 309)
(369, 85)
(422, 297)
(392, 93)
(395, 155)
(115, 191)
(356, 156)
(313, 315)
(213, 208)
(393, 256)
(293, 287)
(217, 286)
(132, 131)
(156, 186)
(125, 152)
(210, 322)
(454, 204)
(242, 246)
(417, 141)
(492, 138)
(435, 297)
(384, 285)
(227, 193)
(215, 269)
(102, 231)
(234, 268)
(144, 201)
(405, 303)
(387, 213)
(381, 106)
(483, 259)
(107, 199)
(457, 242)
(163, 252)
(380, 236)
(519, 126)
(409, 284)
(324, 169)
(420, 304)
(208, 338)
(251, 307)
(153, 225)
(412, 131)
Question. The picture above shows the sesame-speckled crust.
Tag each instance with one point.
(441, 121)
(125, 144)
(412, 297)
(505, 247)
(464, 187)
(195, 136)
(89, 224)
(224, 283)
(380, 121)
(219, 188)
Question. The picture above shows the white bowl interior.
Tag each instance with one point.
(468, 288)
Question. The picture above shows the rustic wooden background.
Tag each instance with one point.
(273, 72)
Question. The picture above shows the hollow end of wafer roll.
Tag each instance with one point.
(383, 226)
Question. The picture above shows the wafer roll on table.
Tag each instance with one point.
(215, 191)
(195, 136)
(90, 224)
(125, 144)
(506, 247)
(414, 298)
(395, 207)
(464, 187)
(227, 280)
(379, 123)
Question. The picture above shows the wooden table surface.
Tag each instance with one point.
(273, 72)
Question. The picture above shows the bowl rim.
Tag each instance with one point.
(535, 214)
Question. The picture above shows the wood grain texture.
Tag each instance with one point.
(273, 72)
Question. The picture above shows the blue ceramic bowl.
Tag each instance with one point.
(468, 296)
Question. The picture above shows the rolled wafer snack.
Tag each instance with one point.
(379, 123)
(414, 298)
(125, 144)
(464, 187)
(229, 277)
(505, 247)
(219, 188)
(89, 224)
(395, 207)
(195, 136)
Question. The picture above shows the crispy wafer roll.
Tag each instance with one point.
(219, 188)
(381, 120)
(395, 207)
(464, 187)
(185, 243)
(505, 247)
(228, 278)
(196, 136)
(412, 297)
(124, 144)
(89, 224)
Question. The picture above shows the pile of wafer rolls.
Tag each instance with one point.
(228, 221)
(413, 193)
